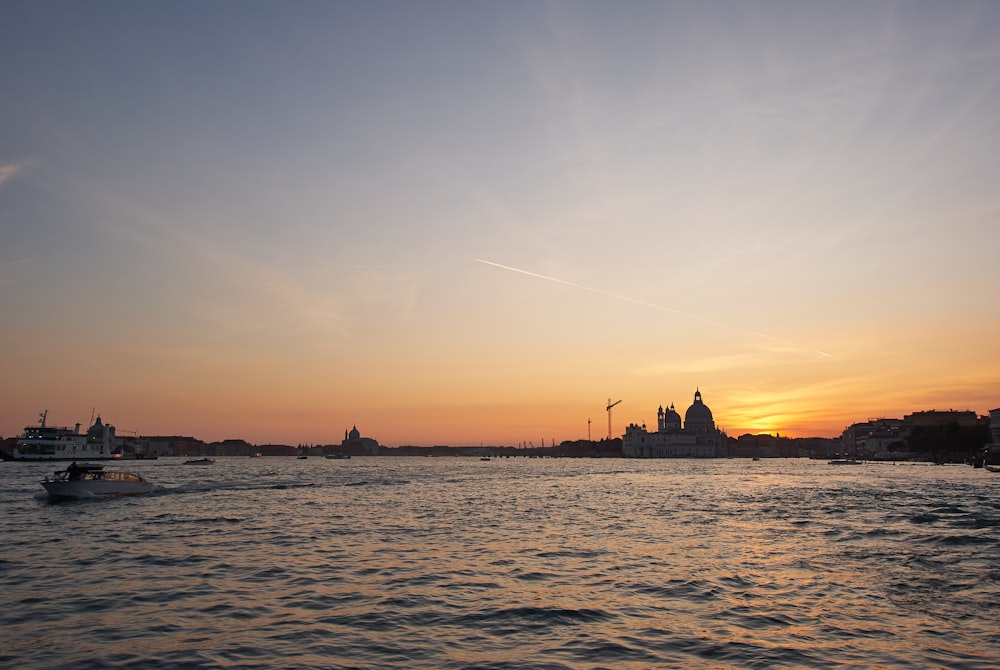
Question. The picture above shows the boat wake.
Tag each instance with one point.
(208, 487)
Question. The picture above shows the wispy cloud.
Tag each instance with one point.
(239, 291)
(8, 170)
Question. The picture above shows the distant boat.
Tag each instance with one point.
(993, 468)
(51, 443)
(845, 461)
(338, 456)
(200, 461)
(89, 479)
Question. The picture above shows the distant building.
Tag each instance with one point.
(174, 445)
(881, 439)
(233, 446)
(755, 446)
(697, 438)
(935, 417)
(902, 439)
(356, 445)
(995, 427)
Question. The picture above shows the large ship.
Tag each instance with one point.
(51, 443)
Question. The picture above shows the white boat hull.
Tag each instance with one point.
(89, 480)
(51, 443)
(17, 455)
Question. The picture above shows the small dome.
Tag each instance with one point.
(97, 428)
(669, 420)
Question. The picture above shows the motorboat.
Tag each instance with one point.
(87, 480)
(200, 461)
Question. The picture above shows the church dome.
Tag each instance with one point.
(671, 415)
(97, 429)
(669, 420)
(698, 415)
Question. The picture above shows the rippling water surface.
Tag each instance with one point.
(511, 563)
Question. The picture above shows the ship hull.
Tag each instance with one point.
(83, 456)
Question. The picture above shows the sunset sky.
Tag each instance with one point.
(476, 222)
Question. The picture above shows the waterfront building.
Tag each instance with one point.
(936, 418)
(914, 436)
(880, 439)
(696, 438)
(355, 444)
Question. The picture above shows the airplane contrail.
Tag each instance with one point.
(637, 302)
(602, 292)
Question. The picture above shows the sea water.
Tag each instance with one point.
(454, 562)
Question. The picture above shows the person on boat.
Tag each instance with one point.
(74, 472)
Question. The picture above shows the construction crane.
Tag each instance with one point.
(610, 405)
